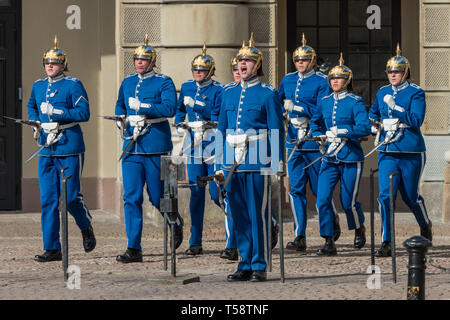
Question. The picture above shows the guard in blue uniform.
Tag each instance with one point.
(146, 99)
(59, 103)
(231, 251)
(346, 121)
(399, 108)
(301, 92)
(200, 100)
(251, 124)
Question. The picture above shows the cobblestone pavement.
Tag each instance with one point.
(308, 277)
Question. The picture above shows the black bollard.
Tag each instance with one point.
(64, 224)
(416, 246)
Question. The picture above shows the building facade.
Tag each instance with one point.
(100, 35)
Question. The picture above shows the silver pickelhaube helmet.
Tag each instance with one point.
(251, 52)
(341, 71)
(398, 63)
(55, 55)
(305, 52)
(145, 52)
(204, 62)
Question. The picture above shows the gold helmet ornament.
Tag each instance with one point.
(341, 71)
(252, 53)
(204, 62)
(305, 52)
(234, 64)
(399, 63)
(55, 55)
(145, 52)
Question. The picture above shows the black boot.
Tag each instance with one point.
(49, 255)
(427, 232)
(337, 228)
(258, 276)
(385, 250)
(131, 255)
(230, 254)
(194, 250)
(329, 249)
(89, 241)
(240, 275)
(360, 237)
(299, 244)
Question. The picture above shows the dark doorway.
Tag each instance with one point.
(10, 105)
(347, 26)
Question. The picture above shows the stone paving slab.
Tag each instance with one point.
(308, 277)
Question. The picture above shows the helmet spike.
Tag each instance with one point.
(204, 49)
(55, 42)
(341, 60)
(398, 51)
(303, 40)
(146, 40)
(243, 43)
(251, 42)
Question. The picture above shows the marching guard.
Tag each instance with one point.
(58, 103)
(346, 121)
(200, 100)
(250, 113)
(301, 92)
(398, 112)
(146, 99)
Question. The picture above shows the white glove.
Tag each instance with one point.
(288, 105)
(181, 132)
(36, 133)
(389, 100)
(134, 103)
(46, 108)
(335, 131)
(188, 101)
(374, 130)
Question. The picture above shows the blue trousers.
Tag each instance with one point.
(247, 193)
(298, 180)
(409, 167)
(49, 172)
(349, 175)
(138, 170)
(197, 199)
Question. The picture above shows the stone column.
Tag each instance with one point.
(446, 197)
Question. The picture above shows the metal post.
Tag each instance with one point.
(173, 271)
(416, 246)
(269, 222)
(280, 224)
(391, 204)
(372, 218)
(64, 224)
(165, 241)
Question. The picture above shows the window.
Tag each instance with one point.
(334, 26)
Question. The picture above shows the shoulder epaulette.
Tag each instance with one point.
(218, 84)
(131, 75)
(415, 86)
(354, 96)
(40, 80)
(320, 74)
(327, 96)
(268, 86)
(71, 79)
(160, 75)
(231, 85)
